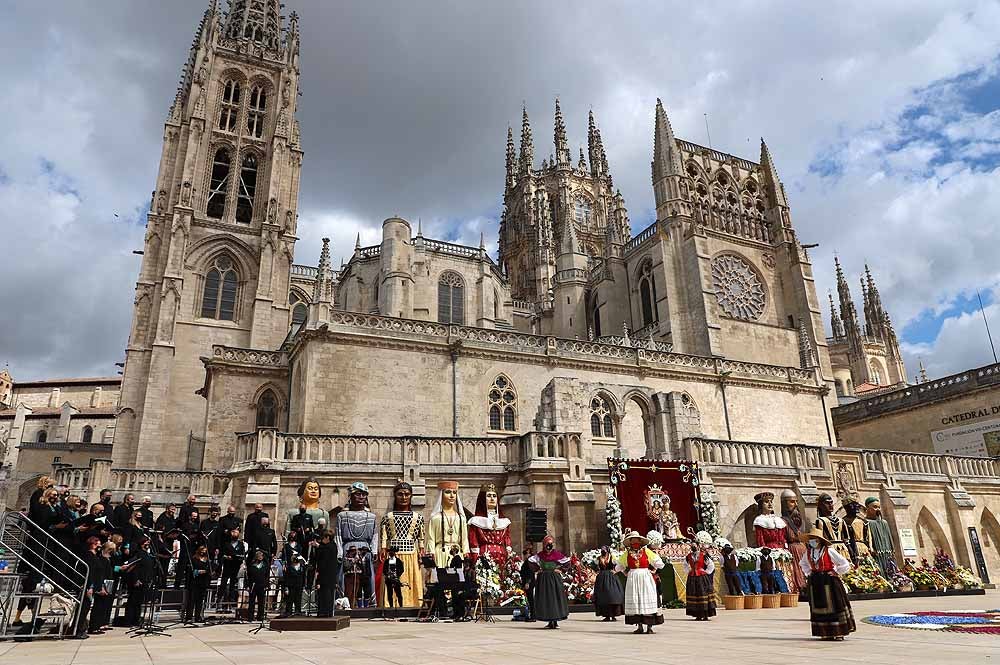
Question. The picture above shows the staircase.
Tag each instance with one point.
(27, 550)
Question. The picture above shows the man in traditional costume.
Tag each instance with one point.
(699, 566)
(489, 530)
(858, 536)
(356, 527)
(549, 594)
(448, 525)
(793, 527)
(641, 598)
(832, 526)
(403, 529)
(609, 596)
(881, 537)
(829, 609)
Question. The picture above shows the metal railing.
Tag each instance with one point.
(38, 557)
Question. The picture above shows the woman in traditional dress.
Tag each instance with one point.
(550, 595)
(698, 565)
(609, 596)
(448, 525)
(641, 599)
(829, 609)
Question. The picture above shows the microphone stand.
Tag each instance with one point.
(263, 624)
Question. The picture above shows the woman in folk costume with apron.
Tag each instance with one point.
(642, 601)
(698, 565)
(549, 593)
(609, 596)
(829, 609)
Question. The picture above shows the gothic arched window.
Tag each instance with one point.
(503, 405)
(219, 184)
(451, 298)
(300, 311)
(255, 111)
(247, 188)
(230, 111)
(267, 410)
(601, 422)
(88, 434)
(581, 212)
(42, 436)
(647, 294)
(876, 374)
(597, 320)
(219, 297)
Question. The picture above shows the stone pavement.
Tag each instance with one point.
(775, 636)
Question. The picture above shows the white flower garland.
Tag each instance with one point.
(614, 517)
(488, 578)
(709, 515)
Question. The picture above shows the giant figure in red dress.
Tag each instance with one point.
(489, 530)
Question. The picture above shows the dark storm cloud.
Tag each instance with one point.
(404, 110)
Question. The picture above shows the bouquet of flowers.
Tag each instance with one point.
(487, 576)
(747, 558)
(613, 512)
(579, 582)
(709, 515)
(655, 539)
(958, 577)
(898, 579)
(591, 558)
(510, 582)
(866, 577)
(921, 576)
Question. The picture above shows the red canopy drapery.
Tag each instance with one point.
(631, 479)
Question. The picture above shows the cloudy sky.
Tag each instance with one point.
(882, 117)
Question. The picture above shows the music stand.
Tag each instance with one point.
(263, 624)
(148, 625)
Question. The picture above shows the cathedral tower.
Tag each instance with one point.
(540, 204)
(220, 233)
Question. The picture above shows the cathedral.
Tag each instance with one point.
(699, 337)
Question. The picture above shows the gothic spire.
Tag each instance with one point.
(772, 184)
(836, 323)
(562, 156)
(190, 73)
(666, 157)
(848, 313)
(321, 288)
(583, 161)
(511, 159)
(526, 159)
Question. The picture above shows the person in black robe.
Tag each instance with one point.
(253, 522)
(467, 594)
(609, 594)
(294, 582)
(210, 530)
(232, 555)
(327, 573)
(199, 578)
(258, 579)
(122, 513)
(140, 580)
(90, 557)
(263, 540)
(164, 526)
(146, 513)
(100, 613)
(230, 521)
(527, 573)
(191, 538)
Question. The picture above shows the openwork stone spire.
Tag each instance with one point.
(511, 159)
(526, 159)
(255, 21)
(562, 156)
(321, 289)
(666, 156)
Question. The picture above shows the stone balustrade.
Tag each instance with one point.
(268, 445)
(631, 352)
(749, 457)
(641, 237)
(141, 481)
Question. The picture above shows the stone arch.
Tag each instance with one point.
(280, 405)
(203, 252)
(740, 533)
(989, 537)
(930, 535)
(635, 429)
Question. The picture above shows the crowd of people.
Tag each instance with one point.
(130, 553)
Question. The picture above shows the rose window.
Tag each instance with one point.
(737, 288)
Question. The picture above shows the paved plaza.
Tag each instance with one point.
(760, 636)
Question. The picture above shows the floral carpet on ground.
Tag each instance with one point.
(985, 622)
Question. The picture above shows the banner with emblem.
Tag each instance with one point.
(660, 495)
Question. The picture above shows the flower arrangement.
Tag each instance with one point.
(958, 577)
(866, 577)
(752, 554)
(578, 582)
(613, 511)
(709, 515)
(655, 539)
(721, 542)
(922, 576)
(511, 591)
(488, 576)
(591, 558)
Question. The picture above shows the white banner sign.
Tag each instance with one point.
(981, 439)
(908, 542)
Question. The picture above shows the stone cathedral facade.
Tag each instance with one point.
(698, 337)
